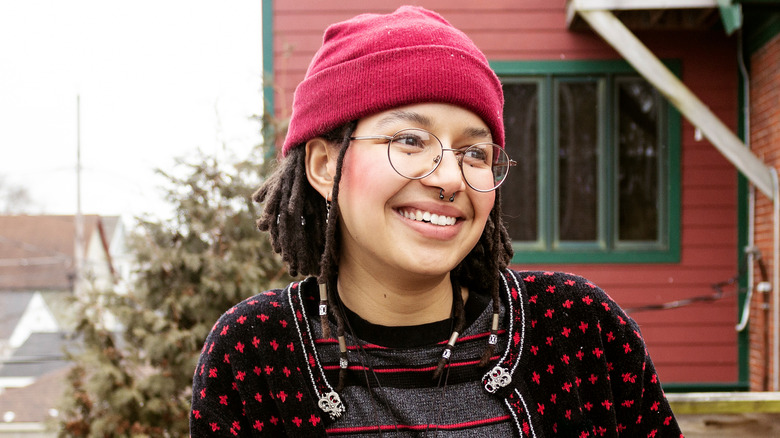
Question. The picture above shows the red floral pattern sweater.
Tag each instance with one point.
(570, 363)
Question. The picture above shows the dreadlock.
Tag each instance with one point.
(329, 261)
(294, 213)
(304, 230)
(304, 227)
(489, 256)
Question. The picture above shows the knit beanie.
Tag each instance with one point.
(372, 63)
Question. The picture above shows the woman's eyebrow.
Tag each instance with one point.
(478, 133)
(405, 116)
(426, 122)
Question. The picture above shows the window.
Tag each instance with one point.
(598, 164)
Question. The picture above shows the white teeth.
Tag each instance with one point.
(427, 216)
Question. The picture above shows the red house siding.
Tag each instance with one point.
(695, 344)
(765, 141)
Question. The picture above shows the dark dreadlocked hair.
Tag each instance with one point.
(304, 230)
(295, 214)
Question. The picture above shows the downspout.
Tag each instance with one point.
(750, 251)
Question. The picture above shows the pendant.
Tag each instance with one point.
(496, 379)
(331, 404)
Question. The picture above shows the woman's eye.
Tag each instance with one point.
(475, 154)
(409, 141)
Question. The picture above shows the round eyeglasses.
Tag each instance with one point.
(416, 153)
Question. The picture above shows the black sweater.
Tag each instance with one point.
(569, 363)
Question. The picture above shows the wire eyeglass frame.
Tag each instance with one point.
(501, 161)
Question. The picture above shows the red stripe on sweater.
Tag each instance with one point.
(331, 341)
(404, 370)
(418, 427)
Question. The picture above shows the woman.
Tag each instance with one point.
(410, 323)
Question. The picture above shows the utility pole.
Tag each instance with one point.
(78, 246)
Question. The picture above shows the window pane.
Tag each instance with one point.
(638, 161)
(578, 141)
(519, 192)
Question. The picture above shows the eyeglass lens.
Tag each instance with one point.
(415, 154)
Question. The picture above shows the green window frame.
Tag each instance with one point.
(596, 237)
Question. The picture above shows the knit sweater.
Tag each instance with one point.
(569, 363)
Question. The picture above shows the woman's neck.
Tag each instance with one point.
(393, 301)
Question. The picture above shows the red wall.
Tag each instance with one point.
(765, 141)
(696, 344)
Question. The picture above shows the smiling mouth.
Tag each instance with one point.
(426, 216)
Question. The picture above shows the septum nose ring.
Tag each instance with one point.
(441, 196)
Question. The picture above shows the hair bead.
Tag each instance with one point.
(343, 360)
(447, 353)
(324, 310)
(493, 338)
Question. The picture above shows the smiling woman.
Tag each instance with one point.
(398, 267)
(409, 322)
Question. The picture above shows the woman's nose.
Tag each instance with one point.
(447, 175)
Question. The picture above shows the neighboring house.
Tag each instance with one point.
(38, 260)
(634, 166)
(38, 252)
(28, 412)
(40, 354)
(25, 313)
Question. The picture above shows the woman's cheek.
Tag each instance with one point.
(364, 175)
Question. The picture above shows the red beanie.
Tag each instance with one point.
(372, 63)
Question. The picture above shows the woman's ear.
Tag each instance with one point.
(321, 165)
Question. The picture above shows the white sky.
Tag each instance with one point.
(157, 79)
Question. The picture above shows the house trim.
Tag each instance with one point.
(16, 382)
(268, 131)
(675, 387)
(22, 427)
(268, 55)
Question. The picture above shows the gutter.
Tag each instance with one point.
(598, 16)
(23, 428)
